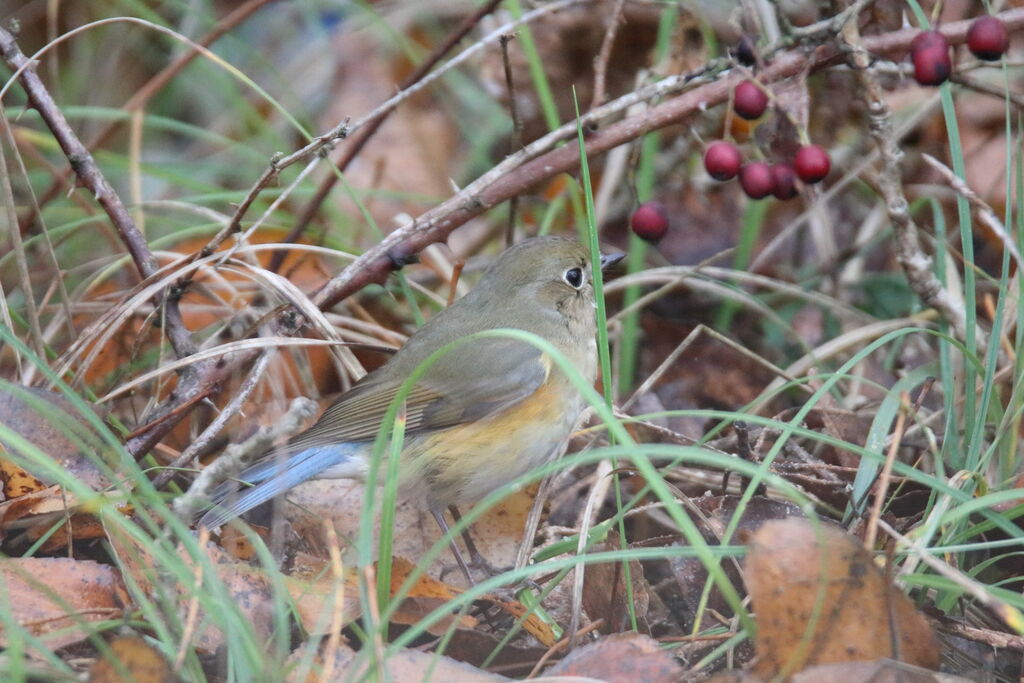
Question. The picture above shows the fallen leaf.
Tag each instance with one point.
(531, 623)
(55, 598)
(248, 588)
(56, 427)
(317, 595)
(403, 665)
(475, 647)
(135, 657)
(881, 671)
(820, 599)
(604, 590)
(621, 657)
(36, 513)
(16, 481)
(497, 533)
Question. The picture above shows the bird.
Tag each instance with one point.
(486, 412)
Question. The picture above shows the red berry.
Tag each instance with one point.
(930, 54)
(722, 160)
(987, 38)
(749, 100)
(928, 39)
(783, 181)
(650, 221)
(756, 179)
(811, 163)
(932, 66)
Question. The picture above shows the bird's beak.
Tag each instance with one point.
(609, 260)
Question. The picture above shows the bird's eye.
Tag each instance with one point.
(574, 276)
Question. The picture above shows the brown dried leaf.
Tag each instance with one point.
(404, 665)
(531, 623)
(425, 595)
(249, 587)
(238, 544)
(56, 595)
(497, 533)
(35, 514)
(691, 575)
(45, 501)
(140, 660)
(475, 647)
(81, 528)
(604, 590)
(317, 595)
(46, 419)
(625, 657)
(820, 599)
(881, 671)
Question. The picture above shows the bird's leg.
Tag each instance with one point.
(475, 558)
(439, 517)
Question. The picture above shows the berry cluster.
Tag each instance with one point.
(723, 161)
(986, 38)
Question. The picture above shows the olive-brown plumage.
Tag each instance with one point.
(486, 412)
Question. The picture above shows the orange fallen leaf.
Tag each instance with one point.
(820, 599)
(403, 665)
(135, 657)
(16, 481)
(249, 588)
(55, 598)
(621, 658)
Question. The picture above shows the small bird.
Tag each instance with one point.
(486, 412)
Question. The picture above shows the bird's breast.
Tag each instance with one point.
(463, 464)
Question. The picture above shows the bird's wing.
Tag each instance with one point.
(453, 391)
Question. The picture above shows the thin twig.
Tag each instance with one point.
(192, 613)
(605, 53)
(374, 121)
(984, 212)
(1010, 615)
(978, 85)
(516, 140)
(142, 96)
(882, 487)
(211, 431)
(563, 644)
(178, 411)
(514, 177)
(994, 639)
(234, 457)
(917, 265)
(90, 175)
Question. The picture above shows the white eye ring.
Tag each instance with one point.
(574, 277)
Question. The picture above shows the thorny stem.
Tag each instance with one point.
(917, 265)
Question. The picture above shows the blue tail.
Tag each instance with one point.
(273, 477)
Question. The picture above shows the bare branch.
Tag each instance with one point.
(92, 178)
